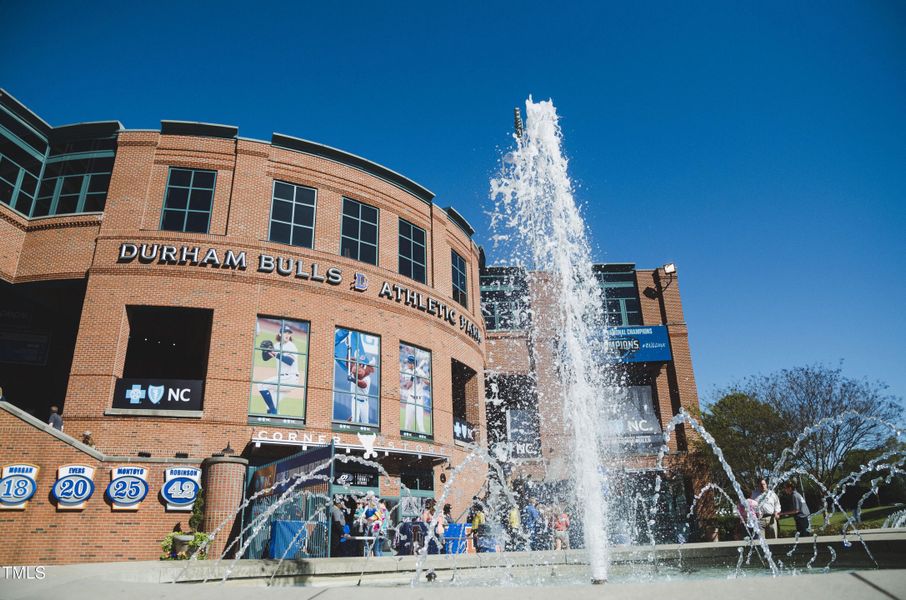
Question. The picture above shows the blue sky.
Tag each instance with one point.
(760, 147)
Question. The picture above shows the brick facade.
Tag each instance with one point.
(672, 382)
(86, 247)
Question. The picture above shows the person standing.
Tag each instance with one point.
(531, 520)
(768, 509)
(55, 420)
(339, 530)
(431, 519)
(800, 510)
(480, 538)
(561, 529)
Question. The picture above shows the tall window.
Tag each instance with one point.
(415, 391)
(504, 298)
(621, 294)
(187, 205)
(460, 286)
(412, 251)
(293, 215)
(279, 371)
(356, 379)
(359, 235)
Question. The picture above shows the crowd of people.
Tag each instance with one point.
(368, 529)
(533, 527)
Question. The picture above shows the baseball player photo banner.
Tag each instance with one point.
(74, 486)
(356, 379)
(18, 483)
(415, 392)
(280, 370)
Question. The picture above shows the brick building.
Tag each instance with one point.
(649, 343)
(183, 290)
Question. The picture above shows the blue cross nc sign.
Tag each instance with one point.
(135, 394)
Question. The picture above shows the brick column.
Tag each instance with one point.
(224, 485)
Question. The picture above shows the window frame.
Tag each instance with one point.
(187, 210)
(358, 239)
(295, 203)
(464, 302)
(411, 259)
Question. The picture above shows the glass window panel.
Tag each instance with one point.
(284, 191)
(348, 248)
(29, 183)
(42, 207)
(405, 248)
(305, 195)
(99, 183)
(368, 233)
(304, 215)
(23, 203)
(282, 211)
(368, 254)
(173, 220)
(418, 254)
(418, 273)
(95, 202)
(418, 234)
(308, 238)
(280, 232)
(197, 222)
(71, 185)
(177, 197)
(369, 214)
(405, 267)
(6, 192)
(302, 236)
(200, 200)
(405, 229)
(203, 179)
(67, 204)
(350, 228)
(181, 177)
(350, 207)
(9, 170)
(47, 187)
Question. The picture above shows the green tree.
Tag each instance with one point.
(855, 413)
(751, 435)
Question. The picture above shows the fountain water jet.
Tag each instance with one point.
(534, 199)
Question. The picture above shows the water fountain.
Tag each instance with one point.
(538, 220)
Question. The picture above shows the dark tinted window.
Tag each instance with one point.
(188, 200)
(359, 231)
(293, 215)
(412, 251)
(460, 282)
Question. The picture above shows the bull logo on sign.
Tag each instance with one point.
(155, 393)
(368, 444)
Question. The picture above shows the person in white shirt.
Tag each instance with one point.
(768, 508)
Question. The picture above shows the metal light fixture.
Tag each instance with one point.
(670, 269)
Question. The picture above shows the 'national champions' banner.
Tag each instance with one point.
(639, 343)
